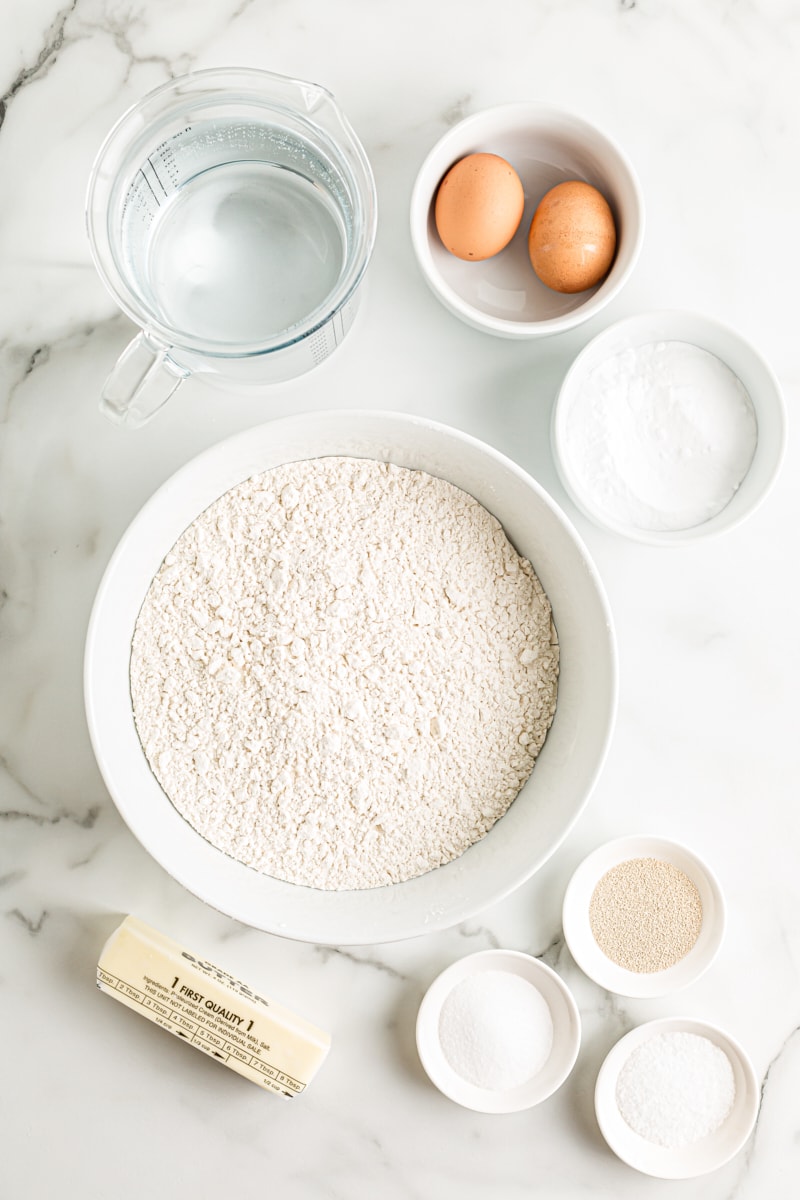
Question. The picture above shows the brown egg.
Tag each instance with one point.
(479, 206)
(572, 239)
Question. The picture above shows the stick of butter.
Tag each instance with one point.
(210, 1009)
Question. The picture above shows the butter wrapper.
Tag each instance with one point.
(211, 1010)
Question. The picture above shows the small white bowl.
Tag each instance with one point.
(688, 1162)
(581, 941)
(545, 145)
(566, 1033)
(743, 360)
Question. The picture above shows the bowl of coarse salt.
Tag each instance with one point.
(643, 916)
(668, 427)
(498, 1031)
(676, 1098)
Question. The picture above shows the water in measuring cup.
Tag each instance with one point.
(242, 251)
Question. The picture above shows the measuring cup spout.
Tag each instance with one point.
(142, 381)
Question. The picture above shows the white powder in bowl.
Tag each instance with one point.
(675, 1089)
(343, 673)
(661, 436)
(496, 1030)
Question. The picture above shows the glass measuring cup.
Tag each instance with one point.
(231, 213)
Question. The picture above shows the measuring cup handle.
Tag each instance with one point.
(142, 381)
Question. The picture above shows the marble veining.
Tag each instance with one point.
(704, 99)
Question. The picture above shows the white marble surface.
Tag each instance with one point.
(95, 1103)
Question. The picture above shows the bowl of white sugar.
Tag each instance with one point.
(350, 676)
(668, 427)
(498, 1031)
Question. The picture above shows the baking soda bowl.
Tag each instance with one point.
(730, 348)
(546, 146)
(565, 772)
(707, 1153)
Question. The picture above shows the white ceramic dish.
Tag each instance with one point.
(704, 1156)
(729, 346)
(585, 950)
(546, 146)
(566, 1033)
(564, 775)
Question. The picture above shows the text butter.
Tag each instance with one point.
(210, 1009)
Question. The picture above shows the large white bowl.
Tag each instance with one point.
(568, 765)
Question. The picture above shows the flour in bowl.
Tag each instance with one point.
(343, 673)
